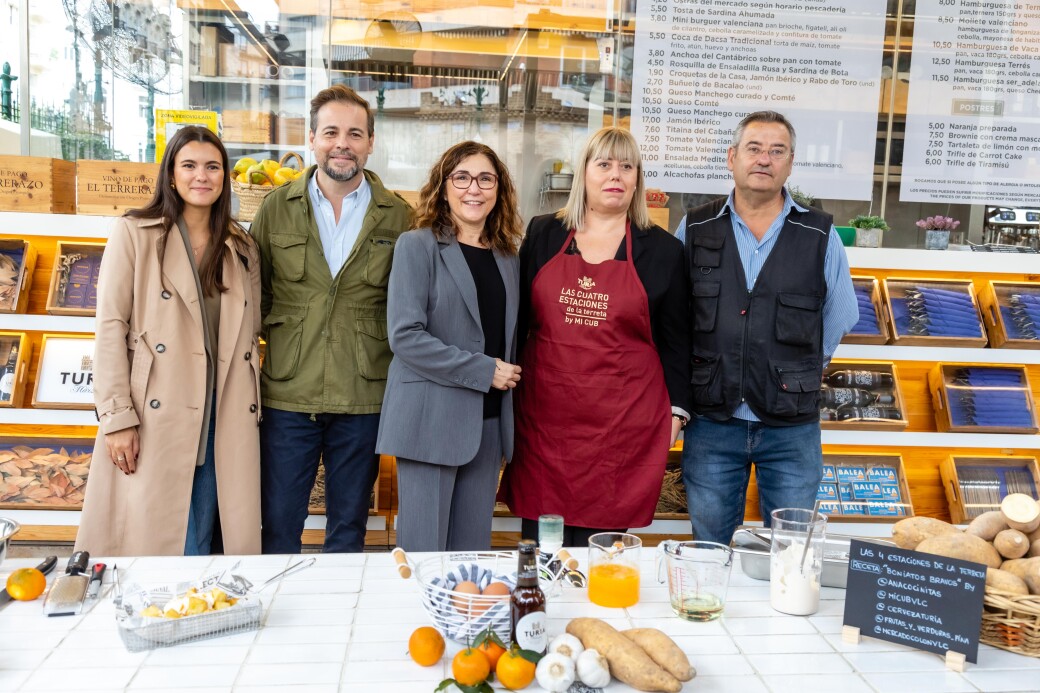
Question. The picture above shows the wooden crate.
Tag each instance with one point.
(870, 487)
(290, 130)
(967, 503)
(894, 292)
(995, 302)
(65, 374)
(882, 337)
(44, 472)
(249, 127)
(112, 187)
(71, 260)
(242, 61)
(877, 424)
(941, 385)
(37, 184)
(13, 379)
(14, 296)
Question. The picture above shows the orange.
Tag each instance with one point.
(492, 651)
(514, 672)
(426, 646)
(470, 667)
(26, 584)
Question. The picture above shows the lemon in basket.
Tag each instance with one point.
(243, 164)
(284, 175)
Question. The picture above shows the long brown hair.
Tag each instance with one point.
(502, 230)
(167, 205)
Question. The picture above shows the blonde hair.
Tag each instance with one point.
(608, 143)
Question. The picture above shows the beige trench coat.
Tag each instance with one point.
(150, 372)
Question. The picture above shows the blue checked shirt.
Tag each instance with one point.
(840, 311)
(337, 239)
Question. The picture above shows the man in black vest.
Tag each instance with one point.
(772, 297)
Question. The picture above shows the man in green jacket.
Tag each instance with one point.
(326, 243)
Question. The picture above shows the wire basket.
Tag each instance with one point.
(250, 196)
(1011, 622)
(141, 634)
(459, 616)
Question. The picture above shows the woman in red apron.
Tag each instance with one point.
(606, 358)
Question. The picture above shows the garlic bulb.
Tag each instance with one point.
(555, 672)
(592, 669)
(567, 645)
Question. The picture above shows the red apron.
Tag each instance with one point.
(593, 415)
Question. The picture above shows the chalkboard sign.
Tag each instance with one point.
(928, 602)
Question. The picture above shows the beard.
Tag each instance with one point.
(341, 175)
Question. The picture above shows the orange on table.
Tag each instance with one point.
(470, 667)
(426, 646)
(514, 672)
(26, 584)
(492, 650)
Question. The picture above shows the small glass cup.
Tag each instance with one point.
(796, 560)
(614, 569)
(550, 533)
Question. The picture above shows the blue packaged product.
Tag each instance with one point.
(829, 476)
(881, 473)
(845, 492)
(830, 507)
(854, 508)
(866, 490)
(848, 474)
(827, 492)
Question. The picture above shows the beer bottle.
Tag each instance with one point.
(7, 375)
(869, 380)
(527, 603)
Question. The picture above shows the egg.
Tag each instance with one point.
(496, 589)
(461, 597)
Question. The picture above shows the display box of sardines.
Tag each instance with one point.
(871, 328)
(1011, 311)
(864, 486)
(975, 485)
(972, 398)
(863, 396)
(933, 312)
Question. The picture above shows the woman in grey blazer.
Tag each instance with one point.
(451, 316)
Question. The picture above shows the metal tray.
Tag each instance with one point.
(752, 544)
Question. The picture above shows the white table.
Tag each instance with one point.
(343, 625)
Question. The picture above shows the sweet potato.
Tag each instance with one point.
(627, 660)
(1022, 567)
(987, 525)
(1021, 512)
(1011, 543)
(966, 547)
(662, 650)
(910, 532)
(1005, 582)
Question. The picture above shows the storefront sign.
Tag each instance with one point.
(927, 602)
(702, 65)
(973, 116)
(65, 379)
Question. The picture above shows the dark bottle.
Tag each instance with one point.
(7, 375)
(834, 397)
(869, 380)
(850, 413)
(527, 603)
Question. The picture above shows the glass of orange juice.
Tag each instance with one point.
(614, 569)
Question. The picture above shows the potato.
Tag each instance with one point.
(1034, 549)
(1011, 543)
(1005, 582)
(987, 525)
(1022, 567)
(1021, 512)
(910, 532)
(966, 547)
(1033, 583)
(662, 650)
(627, 660)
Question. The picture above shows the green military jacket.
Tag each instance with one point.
(327, 349)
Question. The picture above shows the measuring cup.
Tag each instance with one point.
(614, 569)
(698, 577)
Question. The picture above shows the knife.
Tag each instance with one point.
(46, 566)
(94, 588)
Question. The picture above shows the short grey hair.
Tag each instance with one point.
(763, 117)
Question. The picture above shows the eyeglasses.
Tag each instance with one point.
(753, 151)
(462, 180)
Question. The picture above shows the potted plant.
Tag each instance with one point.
(868, 230)
(803, 198)
(937, 231)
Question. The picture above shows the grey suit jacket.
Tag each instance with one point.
(434, 402)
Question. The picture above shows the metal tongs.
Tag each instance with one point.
(244, 586)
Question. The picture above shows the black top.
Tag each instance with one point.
(491, 301)
(658, 259)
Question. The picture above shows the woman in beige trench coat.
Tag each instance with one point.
(162, 383)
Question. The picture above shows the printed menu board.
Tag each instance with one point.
(973, 112)
(702, 65)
